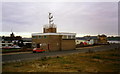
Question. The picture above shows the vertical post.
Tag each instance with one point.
(49, 18)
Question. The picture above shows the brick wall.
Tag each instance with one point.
(68, 44)
(50, 43)
(54, 43)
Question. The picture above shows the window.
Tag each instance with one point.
(3, 41)
(9, 44)
(69, 37)
(64, 37)
(34, 37)
(45, 36)
(8, 41)
(3, 44)
(73, 37)
(40, 36)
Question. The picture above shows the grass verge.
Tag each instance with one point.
(104, 61)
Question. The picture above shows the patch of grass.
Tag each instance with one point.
(117, 64)
(48, 57)
(18, 66)
(104, 61)
(96, 57)
(112, 59)
(84, 56)
(44, 59)
(66, 62)
(118, 55)
(58, 57)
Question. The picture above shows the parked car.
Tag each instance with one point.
(38, 50)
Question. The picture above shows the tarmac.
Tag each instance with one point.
(21, 56)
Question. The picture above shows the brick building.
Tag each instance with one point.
(102, 39)
(53, 41)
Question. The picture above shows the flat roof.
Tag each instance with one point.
(36, 34)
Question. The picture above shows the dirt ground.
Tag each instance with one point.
(104, 61)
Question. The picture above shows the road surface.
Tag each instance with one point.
(13, 57)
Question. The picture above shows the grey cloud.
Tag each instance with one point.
(79, 17)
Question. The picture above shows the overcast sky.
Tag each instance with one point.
(83, 18)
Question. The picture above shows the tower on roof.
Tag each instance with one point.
(12, 34)
(51, 27)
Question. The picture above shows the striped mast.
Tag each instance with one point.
(51, 20)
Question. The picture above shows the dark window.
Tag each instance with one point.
(45, 36)
(69, 37)
(8, 41)
(40, 36)
(9, 44)
(73, 37)
(3, 44)
(34, 37)
(64, 36)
